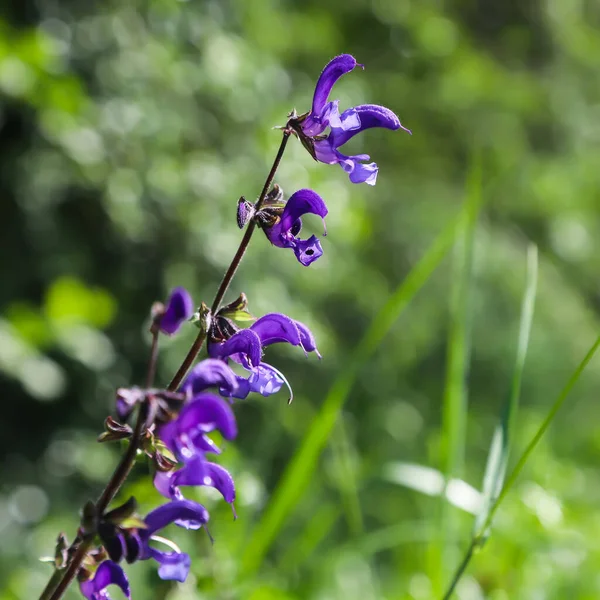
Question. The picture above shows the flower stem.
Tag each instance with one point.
(153, 358)
(116, 481)
(233, 267)
(58, 584)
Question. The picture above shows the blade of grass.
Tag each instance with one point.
(299, 470)
(497, 463)
(345, 478)
(479, 537)
(454, 407)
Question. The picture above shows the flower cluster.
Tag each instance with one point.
(180, 441)
(282, 222)
(176, 424)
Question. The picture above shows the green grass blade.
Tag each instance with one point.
(454, 407)
(497, 462)
(298, 473)
(344, 477)
(510, 482)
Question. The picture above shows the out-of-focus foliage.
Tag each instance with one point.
(128, 131)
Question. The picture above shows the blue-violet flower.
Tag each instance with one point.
(107, 573)
(323, 114)
(284, 233)
(180, 308)
(174, 565)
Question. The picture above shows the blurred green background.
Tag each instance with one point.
(127, 132)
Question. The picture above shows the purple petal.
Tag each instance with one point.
(300, 203)
(244, 342)
(168, 513)
(180, 308)
(108, 573)
(203, 414)
(174, 566)
(267, 380)
(370, 115)
(210, 373)
(307, 251)
(242, 391)
(358, 171)
(276, 327)
(307, 340)
(335, 68)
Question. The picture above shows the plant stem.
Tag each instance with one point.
(116, 481)
(153, 358)
(462, 567)
(233, 267)
(57, 585)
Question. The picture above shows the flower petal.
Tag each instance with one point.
(185, 436)
(335, 68)
(169, 513)
(307, 339)
(108, 573)
(307, 251)
(244, 342)
(210, 373)
(174, 566)
(370, 115)
(300, 203)
(276, 327)
(180, 308)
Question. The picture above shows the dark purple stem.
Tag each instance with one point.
(110, 491)
(188, 361)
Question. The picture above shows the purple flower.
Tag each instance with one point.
(324, 114)
(196, 471)
(284, 233)
(107, 573)
(245, 347)
(174, 565)
(209, 373)
(180, 308)
(186, 435)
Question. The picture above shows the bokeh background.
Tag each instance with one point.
(127, 132)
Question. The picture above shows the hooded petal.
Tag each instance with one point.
(168, 513)
(307, 339)
(300, 203)
(180, 308)
(244, 342)
(108, 573)
(204, 413)
(196, 472)
(335, 68)
(276, 327)
(370, 115)
(210, 373)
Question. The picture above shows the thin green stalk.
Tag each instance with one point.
(480, 534)
(454, 406)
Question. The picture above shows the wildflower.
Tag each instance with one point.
(310, 128)
(186, 436)
(284, 232)
(174, 565)
(196, 471)
(245, 348)
(180, 308)
(107, 573)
